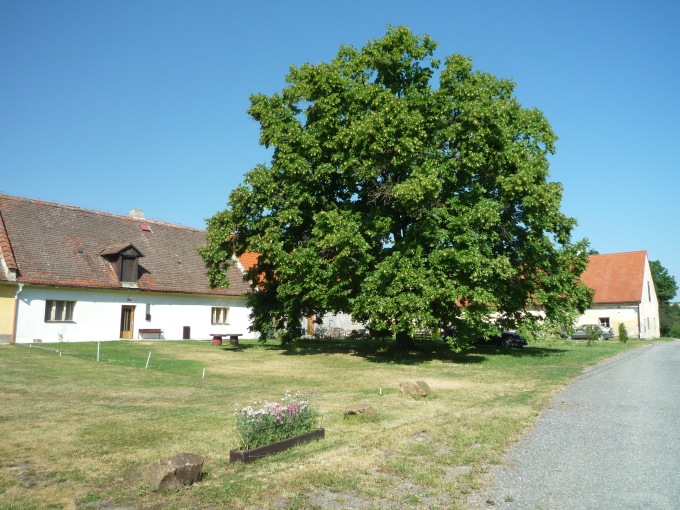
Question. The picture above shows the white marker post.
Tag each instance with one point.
(147, 361)
(204, 373)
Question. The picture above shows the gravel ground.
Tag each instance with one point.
(610, 440)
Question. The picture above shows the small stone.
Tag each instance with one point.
(173, 472)
(415, 388)
(365, 411)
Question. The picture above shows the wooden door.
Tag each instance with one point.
(127, 321)
(310, 325)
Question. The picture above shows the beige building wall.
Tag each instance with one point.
(6, 312)
(649, 307)
(626, 314)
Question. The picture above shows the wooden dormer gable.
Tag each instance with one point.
(124, 259)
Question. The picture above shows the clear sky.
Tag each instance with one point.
(119, 105)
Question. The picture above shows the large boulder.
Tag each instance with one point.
(415, 388)
(173, 472)
(363, 411)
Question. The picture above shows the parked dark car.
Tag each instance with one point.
(581, 333)
(507, 339)
(447, 332)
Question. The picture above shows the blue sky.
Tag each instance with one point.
(123, 104)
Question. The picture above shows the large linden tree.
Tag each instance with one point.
(408, 192)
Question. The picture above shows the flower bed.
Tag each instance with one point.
(265, 423)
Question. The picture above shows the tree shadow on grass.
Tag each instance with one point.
(524, 352)
(421, 351)
(386, 350)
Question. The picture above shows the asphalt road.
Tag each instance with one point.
(610, 440)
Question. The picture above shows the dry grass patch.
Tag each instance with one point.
(75, 432)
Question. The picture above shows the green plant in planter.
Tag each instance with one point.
(268, 422)
(623, 333)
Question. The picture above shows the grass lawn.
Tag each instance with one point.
(74, 432)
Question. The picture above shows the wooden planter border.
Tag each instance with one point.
(247, 456)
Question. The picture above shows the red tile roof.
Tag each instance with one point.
(248, 260)
(54, 244)
(616, 277)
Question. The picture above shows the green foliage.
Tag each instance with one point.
(666, 289)
(669, 319)
(406, 204)
(593, 332)
(664, 283)
(623, 333)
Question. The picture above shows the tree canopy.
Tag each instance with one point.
(402, 203)
(666, 289)
(664, 282)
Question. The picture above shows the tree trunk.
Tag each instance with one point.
(404, 341)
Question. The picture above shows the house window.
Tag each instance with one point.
(59, 311)
(604, 321)
(220, 315)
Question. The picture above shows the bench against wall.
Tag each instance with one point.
(153, 331)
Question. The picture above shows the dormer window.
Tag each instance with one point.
(125, 261)
(129, 269)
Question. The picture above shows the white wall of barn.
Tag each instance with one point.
(97, 315)
(649, 307)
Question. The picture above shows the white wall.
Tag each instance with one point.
(649, 307)
(332, 321)
(342, 321)
(97, 315)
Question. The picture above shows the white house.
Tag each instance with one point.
(71, 274)
(624, 294)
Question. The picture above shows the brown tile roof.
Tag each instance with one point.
(117, 248)
(616, 277)
(54, 244)
(6, 249)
